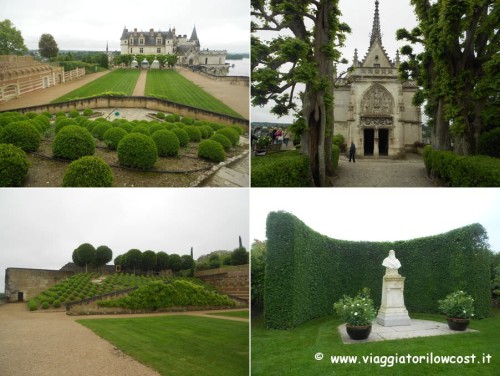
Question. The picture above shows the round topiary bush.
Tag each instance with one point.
(230, 133)
(73, 142)
(211, 150)
(22, 134)
(62, 122)
(208, 129)
(160, 115)
(137, 150)
(88, 171)
(216, 126)
(223, 140)
(127, 127)
(181, 135)
(156, 127)
(74, 114)
(45, 305)
(56, 304)
(170, 118)
(180, 124)
(113, 136)
(194, 133)
(166, 142)
(203, 131)
(237, 128)
(14, 166)
(87, 112)
(170, 126)
(32, 305)
(99, 130)
(187, 120)
(140, 129)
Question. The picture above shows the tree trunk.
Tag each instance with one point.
(441, 131)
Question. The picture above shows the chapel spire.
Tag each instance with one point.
(375, 34)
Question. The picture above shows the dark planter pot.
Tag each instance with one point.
(358, 332)
(458, 324)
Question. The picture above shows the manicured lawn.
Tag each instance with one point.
(292, 352)
(242, 314)
(179, 345)
(119, 81)
(173, 86)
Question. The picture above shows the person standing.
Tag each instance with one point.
(286, 137)
(352, 152)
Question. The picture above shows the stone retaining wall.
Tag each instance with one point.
(231, 280)
(234, 80)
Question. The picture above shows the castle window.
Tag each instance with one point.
(158, 50)
(141, 41)
(158, 41)
(141, 50)
(376, 65)
(131, 50)
(131, 41)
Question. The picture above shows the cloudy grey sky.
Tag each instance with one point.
(88, 25)
(380, 214)
(40, 228)
(394, 14)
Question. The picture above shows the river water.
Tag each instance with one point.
(241, 67)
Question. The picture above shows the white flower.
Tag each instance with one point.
(355, 313)
(465, 311)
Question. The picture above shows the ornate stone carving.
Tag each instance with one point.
(377, 100)
(376, 122)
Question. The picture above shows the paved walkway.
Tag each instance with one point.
(47, 95)
(418, 328)
(140, 86)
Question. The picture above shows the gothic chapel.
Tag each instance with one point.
(373, 107)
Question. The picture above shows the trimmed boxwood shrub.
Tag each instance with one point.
(223, 140)
(170, 126)
(216, 126)
(157, 127)
(140, 129)
(187, 120)
(45, 305)
(138, 151)
(56, 304)
(166, 142)
(489, 143)
(284, 169)
(73, 142)
(113, 136)
(62, 122)
(127, 127)
(230, 133)
(99, 130)
(87, 112)
(74, 114)
(307, 271)
(88, 171)
(203, 131)
(47, 114)
(182, 136)
(211, 150)
(32, 306)
(22, 134)
(209, 130)
(170, 118)
(238, 129)
(193, 132)
(14, 166)
(160, 115)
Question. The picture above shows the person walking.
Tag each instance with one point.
(286, 137)
(352, 152)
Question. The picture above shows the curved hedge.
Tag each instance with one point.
(88, 172)
(307, 272)
(462, 171)
(14, 166)
(73, 142)
(138, 151)
(166, 142)
(211, 150)
(284, 169)
(21, 134)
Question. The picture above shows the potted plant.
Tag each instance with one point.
(261, 145)
(358, 314)
(458, 308)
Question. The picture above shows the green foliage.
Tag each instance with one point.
(357, 311)
(88, 171)
(73, 142)
(138, 151)
(457, 305)
(161, 261)
(258, 262)
(194, 133)
(284, 169)
(338, 140)
(140, 129)
(182, 136)
(170, 118)
(238, 129)
(45, 305)
(32, 306)
(113, 136)
(223, 140)
(14, 166)
(88, 112)
(187, 120)
(99, 130)
(166, 142)
(239, 256)
(22, 134)
(306, 272)
(160, 115)
(489, 143)
(336, 156)
(148, 260)
(62, 122)
(56, 304)
(230, 133)
(459, 171)
(211, 150)
(84, 255)
(179, 293)
(74, 113)
(175, 262)
(47, 46)
(11, 40)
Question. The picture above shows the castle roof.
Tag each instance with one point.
(148, 36)
(376, 52)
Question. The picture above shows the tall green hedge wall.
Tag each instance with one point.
(306, 272)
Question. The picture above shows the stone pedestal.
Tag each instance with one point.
(392, 310)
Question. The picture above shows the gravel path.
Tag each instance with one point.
(52, 343)
(382, 173)
(140, 86)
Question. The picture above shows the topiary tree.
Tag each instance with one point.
(175, 262)
(214, 261)
(211, 150)
(239, 256)
(182, 136)
(14, 166)
(138, 151)
(230, 133)
(22, 134)
(73, 142)
(187, 262)
(148, 261)
(166, 142)
(133, 259)
(187, 120)
(113, 136)
(161, 261)
(48, 46)
(74, 113)
(170, 118)
(88, 171)
(223, 140)
(103, 255)
(194, 133)
(84, 255)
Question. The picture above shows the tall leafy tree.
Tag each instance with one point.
(175, 262)
(239, 256)
(161, 261)
(11, 40)
(148, 261)
(48, 46)
(457, 68)
(84, 255)
(299, 54)
(187, 262)
(103, 255)
(133, 259)
(170, 60)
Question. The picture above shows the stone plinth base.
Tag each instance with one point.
(392, 310)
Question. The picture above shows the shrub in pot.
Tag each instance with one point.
(458, 308)
(358, 313)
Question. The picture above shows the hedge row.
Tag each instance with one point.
(306, 272)
(462, 171)
(284, 169)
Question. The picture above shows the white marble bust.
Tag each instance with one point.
(391, 262)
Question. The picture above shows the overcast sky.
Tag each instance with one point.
(88, 25)
(40, 228)
(394, 14)
(380, 214)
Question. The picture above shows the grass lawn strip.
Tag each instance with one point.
(171, 85)
(122, 81)
(240, 314)
(179, 345)
(274, 351)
